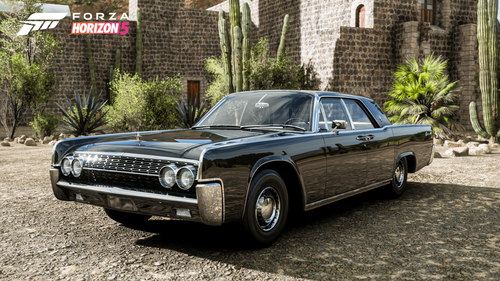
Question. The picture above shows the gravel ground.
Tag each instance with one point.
(444, 227)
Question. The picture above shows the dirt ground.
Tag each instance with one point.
(445, 227)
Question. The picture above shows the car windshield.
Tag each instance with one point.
(263, 109)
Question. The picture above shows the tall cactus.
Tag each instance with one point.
(238, 58)
(246, 27)
(234, 17)
(281, 49)
(138, 44)
(225, 45)
(91, 65)
(488, 63)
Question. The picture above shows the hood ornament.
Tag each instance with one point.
(137, 136)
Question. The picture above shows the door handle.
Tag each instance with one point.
(370, 137)
(361, 138)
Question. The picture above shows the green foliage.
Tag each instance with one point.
(141, 105)
(189, 113)
(86, 116)
(44, 124)
(265, 72)
(421, 94)
(25, 80)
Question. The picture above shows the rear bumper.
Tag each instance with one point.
(206, 208)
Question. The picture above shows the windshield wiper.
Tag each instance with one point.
(217, 127)
(273, 125)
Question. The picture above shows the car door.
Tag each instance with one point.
(345, 153)
(378, 143)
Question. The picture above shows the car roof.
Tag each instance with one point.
(319, 94)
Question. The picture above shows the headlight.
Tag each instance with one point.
(66, 166)
(185, 177)
(76, 167)
(167, 176)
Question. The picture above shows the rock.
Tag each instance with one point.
(52, 143)
(5, 143)
(476, 151)
(63, 136)
(30, 142)
(473, 144)
(8, 139)
(437, 154)
(468, 139)
(450, 153)
(438, 142)
(23, 137)
(21, 141)
(71, 136)
(494, 146)
(453, 144)
(16, 140)
(48, 139)
(461, 142)
(485, 147)
(458, 151)
(42, 141)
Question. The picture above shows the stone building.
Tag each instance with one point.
(352, 44)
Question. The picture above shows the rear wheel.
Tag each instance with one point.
(126, 218)
(267, 208)
(398, 184)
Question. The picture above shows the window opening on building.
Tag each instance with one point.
(360, 16)
(428, 8)
(193, 92)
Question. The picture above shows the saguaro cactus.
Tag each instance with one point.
(238, 58)
(246, 27)
(281, 49)
(225, 46)
(234, 17)
(488, 63)
(91, 65)
(138, 44)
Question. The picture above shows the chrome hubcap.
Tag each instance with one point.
(267, 208)
(399, 175)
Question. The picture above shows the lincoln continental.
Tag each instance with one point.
(251, 159)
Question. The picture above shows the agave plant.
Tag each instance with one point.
(190, 112)
(422, 94)
(85, 117)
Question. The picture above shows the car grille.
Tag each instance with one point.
(120, 163)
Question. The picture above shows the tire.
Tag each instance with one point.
(126, 218)
(265, 224)
(398, 184)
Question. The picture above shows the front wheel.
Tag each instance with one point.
(398, 184)
(126, 218)
(267, 208)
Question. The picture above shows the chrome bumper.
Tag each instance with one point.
(432, 156)
(206, 208)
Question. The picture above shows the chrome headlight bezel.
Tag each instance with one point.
(66, 171)
(74, 171)
(162, 174)
(192, 175)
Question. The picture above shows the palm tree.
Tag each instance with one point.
(421, 94)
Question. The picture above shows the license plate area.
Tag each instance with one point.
(121, 203)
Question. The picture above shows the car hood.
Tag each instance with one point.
(172, 143)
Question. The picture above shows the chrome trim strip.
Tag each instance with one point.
(126, 154)
(122, 172)
(348, 114)
(432, 156)
(338, 197)
(124, 192)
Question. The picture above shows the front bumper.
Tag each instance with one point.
(206, 208)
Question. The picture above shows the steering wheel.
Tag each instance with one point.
(296, 119)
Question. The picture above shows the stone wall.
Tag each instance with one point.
(388, 13)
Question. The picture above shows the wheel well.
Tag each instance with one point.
(411, 161)
(292, 181)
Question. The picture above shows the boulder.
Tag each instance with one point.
(16, 140)
(453, 144)
(5, 143)
(48, 139)
(476, 151)
(63, 136)
(485, 147)
(494, 146)
(21, 141)
(473, 144)
(7, 139)
(52, 143)
(71, 136)
(461, 142)
(438, 142)
(458, 151)
(437, 154)
(450, 153)
(30, 142)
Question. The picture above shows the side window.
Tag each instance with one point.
(334, 110)
(359, 118)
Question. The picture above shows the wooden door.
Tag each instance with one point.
(428, 7)
(193, 93)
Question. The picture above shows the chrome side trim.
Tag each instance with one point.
(348, 114)
(210, 203)
(432, 156)
(326, 201)
(123, 192)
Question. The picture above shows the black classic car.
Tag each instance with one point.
(251, 159)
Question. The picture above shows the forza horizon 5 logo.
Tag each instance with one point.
(42, 21)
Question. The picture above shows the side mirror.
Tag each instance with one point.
(338, 124)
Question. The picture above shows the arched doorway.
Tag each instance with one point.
(360, 16)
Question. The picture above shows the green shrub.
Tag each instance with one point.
(266, 72)
(44, 124)
(140, 105)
